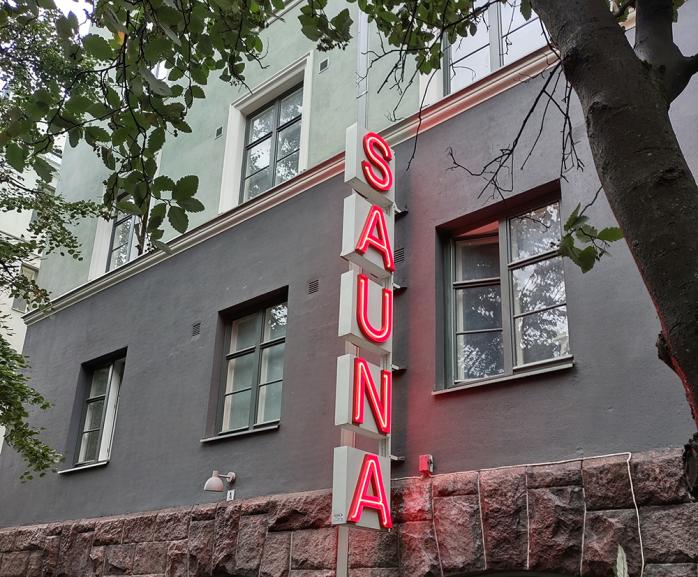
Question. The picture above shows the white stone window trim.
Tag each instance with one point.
(299, 71)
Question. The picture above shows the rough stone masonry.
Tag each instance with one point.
(565, 518)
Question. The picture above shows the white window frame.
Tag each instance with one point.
(298, 72)
(109, 412)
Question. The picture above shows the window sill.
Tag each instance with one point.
(77, 468)
(561, 364)
(245, 433)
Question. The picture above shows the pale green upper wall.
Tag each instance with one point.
(332, 109)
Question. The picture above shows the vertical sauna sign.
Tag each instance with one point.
(361, 480)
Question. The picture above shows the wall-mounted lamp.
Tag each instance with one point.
(215, 482)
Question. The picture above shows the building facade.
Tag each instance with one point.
(535, 388)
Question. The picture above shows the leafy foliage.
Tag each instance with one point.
(577, 228)
(15, 396)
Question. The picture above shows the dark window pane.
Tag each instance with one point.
(240, 373)
(542, 336)
(93, 416)
(243, 333)
(538, 285)
(89, 447)
(258, 183)
(273, 363)
(258, 157)
(275, 322)
(269, 403)
(287, 168)
(261, 125)
(535, 232)
(479, 355)
(478, 308)
(289, 140)
(477, 258)
(469, 69)
(291, 107)
(236, 411)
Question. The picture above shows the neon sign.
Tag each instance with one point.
(361, 480)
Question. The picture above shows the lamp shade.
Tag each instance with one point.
(214, 484)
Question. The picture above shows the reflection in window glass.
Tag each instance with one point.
(479, 355)
(537, 286)
(272, 149)
(254, 369)
(507, 313)
(477, 258)
(542, 336)
(535, 232)
(492, 46)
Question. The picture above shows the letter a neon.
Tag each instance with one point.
(370, 475)
(380, 241)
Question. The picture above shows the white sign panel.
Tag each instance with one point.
(365, 308)
(367, 236)
(369, 166)
(360, 490)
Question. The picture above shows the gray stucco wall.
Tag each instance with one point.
(618, 397)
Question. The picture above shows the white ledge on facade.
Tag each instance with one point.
(560, 364)
(429, 117)
(83, 467)
(245, 433)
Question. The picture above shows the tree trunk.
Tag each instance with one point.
(639, 162)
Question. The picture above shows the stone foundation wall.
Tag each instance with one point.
(566, 518)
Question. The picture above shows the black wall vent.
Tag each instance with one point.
(399, 255)
(219, 132)
(196, 329)
(324, 64)
(313, 286)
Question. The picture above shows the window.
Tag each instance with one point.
(122, 247)
(19, 304)
(99, 413)
(254, 369)
(507, 297)
(272, 144)
(503, 36)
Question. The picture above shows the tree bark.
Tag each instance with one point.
(644, 174)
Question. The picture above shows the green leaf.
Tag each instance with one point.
(526, 10)
(163, 182)
(610, 234)
(185, 187)
(190, 204)
(98, 47)
(97, 133)
(15, 156)
(586, 258)
(156, 85)
(43, 169)
(156, 139)
(178, 218)
(128, 207)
